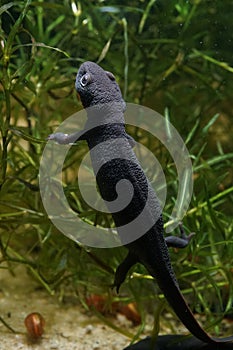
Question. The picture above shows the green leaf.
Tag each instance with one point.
(6, 7)
(25, 136)
(41, 45)
(210, 123)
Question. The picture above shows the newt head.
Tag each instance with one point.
(97, 86)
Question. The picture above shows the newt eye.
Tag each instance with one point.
(85, 80)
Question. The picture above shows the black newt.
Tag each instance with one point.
(102, 98)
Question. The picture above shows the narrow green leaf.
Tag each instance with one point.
(145, 15)
(6, 7)
(223, 65)
(126, 54)
(25, 136)
(41, 45)
(55, 23)
(211, 122)
(104, 51)
(15, 29)
(192, 132)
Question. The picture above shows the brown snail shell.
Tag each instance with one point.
(35, 323)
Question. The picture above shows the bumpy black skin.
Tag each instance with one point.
(176, 342)
(99, 90)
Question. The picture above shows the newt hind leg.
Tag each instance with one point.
(131, 259)
(122, 270)
(179, 242)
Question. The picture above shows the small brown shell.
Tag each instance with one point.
(35, 323)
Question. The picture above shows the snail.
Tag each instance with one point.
(35, 323)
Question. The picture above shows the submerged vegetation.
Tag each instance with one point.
(172, 56)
